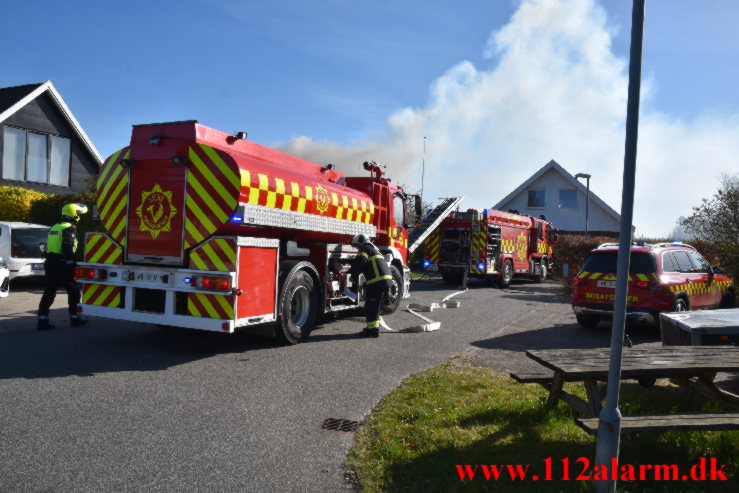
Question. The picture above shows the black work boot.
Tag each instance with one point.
(368, 332)
(77, 321)
(43, 324)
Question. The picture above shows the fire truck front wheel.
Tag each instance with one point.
(542, 275)
(396, 292)
(507, 275)
(298, 307)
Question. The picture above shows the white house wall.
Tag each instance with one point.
(564, 219)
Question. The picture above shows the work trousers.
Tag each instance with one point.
(59, 273)
(376, 295)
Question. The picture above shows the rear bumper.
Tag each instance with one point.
(606, 313)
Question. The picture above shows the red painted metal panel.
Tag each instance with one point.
(156, 209)
(257, 278)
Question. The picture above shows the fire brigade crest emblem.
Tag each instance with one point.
(322, 199)
(521, 247)
(156, 211)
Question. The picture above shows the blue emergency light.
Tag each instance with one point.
(426, 263)
(481, 266)
(237, 219)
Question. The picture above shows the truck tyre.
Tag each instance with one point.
(586, 322)
(680, 305)
(392, 302)
(298, 308)
(542, 276)
(507, 275)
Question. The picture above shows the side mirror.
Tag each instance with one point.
(716, 270)
(418, 207)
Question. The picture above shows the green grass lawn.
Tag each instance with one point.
(458, 414)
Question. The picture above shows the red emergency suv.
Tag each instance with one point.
(666, 277)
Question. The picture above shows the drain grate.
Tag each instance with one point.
(340, 424)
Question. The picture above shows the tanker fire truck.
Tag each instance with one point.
(490, 244)
(207, 230)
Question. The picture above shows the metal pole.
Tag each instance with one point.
(587, 203)
(423, 167)
(609, 427)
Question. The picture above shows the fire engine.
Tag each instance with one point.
(491, 244)
(207, 230)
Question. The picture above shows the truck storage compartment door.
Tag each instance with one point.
(155, 213)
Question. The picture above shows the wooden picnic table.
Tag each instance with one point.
(679, 363)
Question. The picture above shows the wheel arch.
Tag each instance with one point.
(289, 268)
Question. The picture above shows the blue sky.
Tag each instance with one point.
(498, 86)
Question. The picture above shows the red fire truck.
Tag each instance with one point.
(491, 244)
(210, 231)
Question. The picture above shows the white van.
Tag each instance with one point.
(22, 245)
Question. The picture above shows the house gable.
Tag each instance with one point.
(38, 108)
(552, 179)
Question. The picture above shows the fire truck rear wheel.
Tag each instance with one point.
(396, 292)
(298, 308)
(507, 276)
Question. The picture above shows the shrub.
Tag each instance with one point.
(16, 202)
(48, 211)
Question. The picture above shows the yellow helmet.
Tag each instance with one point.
(74, 211)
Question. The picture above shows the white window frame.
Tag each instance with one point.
(48, 157)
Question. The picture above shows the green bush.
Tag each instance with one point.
(48, 211)
(16, 202)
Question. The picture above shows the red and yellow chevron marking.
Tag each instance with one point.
(212, 192)
(612, 277)
(112, 189)
(432, 246)
(261, 189)
(542, 247)
(102, 295)
(216, 254)
(700, 287)
(100, 249)
(218, 306)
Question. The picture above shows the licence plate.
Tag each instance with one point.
(37, 266)
(607, 284)
(148, 276)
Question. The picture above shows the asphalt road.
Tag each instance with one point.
(131, 407)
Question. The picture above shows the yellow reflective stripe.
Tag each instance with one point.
(225, 169)
(193, 232)
(201, 217)
(217, 185)
(113, 256)
(595, 275)
(114, 199)
(225, 305)
(208, 250)
(195, 257)
(193, 309)
(215, 208)
(642, 277)
(381, 278)
(89, 291)
(365, 255)
(103, 295)
(226, 247)
(208, 307)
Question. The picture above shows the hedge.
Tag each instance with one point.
(16, 202)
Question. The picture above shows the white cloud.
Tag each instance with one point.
(555, 91)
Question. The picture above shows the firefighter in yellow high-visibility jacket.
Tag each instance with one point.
(378, 281)
(61, 246)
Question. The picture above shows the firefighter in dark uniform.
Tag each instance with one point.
(61, 245)
(378, 280)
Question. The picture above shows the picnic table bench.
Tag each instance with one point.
(688, 366)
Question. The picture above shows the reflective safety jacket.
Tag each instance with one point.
(62, 240)
(370, 262)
